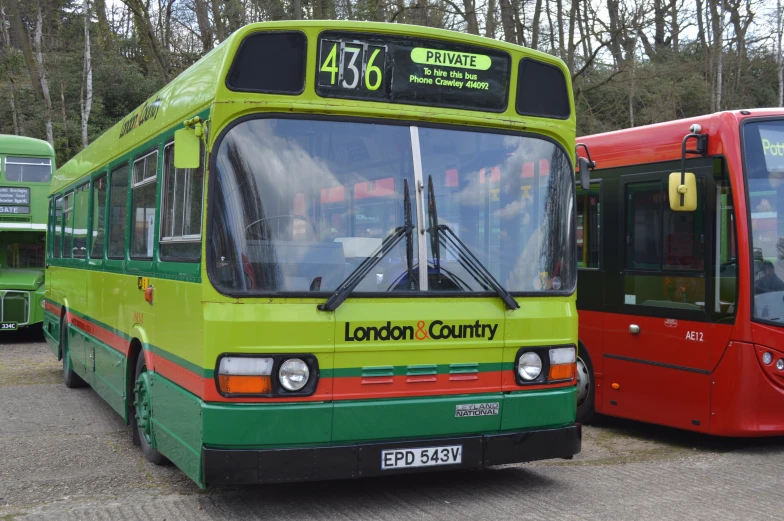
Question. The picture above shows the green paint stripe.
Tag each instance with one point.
(404, 370)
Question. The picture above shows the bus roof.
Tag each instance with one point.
(25, 146)
(662, 141)
(203, 84)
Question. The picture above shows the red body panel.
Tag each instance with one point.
(714, 382)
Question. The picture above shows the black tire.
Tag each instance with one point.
(70, 378)
(142, 414)
(586, 379)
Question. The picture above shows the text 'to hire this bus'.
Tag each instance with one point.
(26, 166)
(682, 312)
(329, 250)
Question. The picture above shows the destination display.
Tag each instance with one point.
(18, 210)
(14, 195)
(406, 70)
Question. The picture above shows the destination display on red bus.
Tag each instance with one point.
(377, 67)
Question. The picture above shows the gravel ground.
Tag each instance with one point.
(66, 455)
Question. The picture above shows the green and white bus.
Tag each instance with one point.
(26, 166)
(329, 250)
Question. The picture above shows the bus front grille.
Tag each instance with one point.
(15, 307)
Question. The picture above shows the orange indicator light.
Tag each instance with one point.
(561, 372)
(616, 386)
(241, 384)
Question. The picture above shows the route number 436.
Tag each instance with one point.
(351, 65)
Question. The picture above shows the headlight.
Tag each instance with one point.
(767, 358)
(293, 374)
(780, 364)
(529, 366)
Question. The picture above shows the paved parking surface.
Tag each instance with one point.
(64, 454)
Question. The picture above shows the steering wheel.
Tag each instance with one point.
(275, 218)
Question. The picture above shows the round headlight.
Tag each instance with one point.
(529, 366)
(293, 374)
(767, 358)
(780, 364)
(556, 283)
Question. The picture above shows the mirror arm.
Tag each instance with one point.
(701, 149)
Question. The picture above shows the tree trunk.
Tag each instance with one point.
(23, 40)
(616, 47)
(105, 34)
(631, 94)
(507, 21)
(42, 74)
(220, 32)
(141, 18)
(472, 25)
(700, 25)
(535, 25)
(675, 26)
(65, 120)
(550, 23)
(490, 19)
(234, 14)
(571, 47)
(298, 9)
(559, 18)
(87, 86)
(14, 110)
(779, 57)
(718, 34)
(203, 21)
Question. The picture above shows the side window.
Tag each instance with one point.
(181, 212)
(589, 209)
(49, 228)
(81, 215)
(68, 225)
(118, 206)
(726, 278)
(57, 227)
(664, 250)
(99, 216)
(145, 170)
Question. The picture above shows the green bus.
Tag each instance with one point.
(26, 166)
(329, 250)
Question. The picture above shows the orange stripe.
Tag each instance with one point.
(104, 335)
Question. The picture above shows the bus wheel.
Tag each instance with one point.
(585, 388)
(70, 378)
(143, 413)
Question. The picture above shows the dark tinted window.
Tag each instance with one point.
(270, 62)
(99, 215)
(28, 169)
(118, 207)
(541, 90)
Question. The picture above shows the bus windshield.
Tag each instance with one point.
(299, 204)
(28, 169)
(764, 155)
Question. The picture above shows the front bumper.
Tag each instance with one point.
(244, 466)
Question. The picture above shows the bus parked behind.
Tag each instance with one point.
(682, 309)
(26, 166)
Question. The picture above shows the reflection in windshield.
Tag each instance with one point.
(764, 154)
(299, 204)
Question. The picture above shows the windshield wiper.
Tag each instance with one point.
(475, 267)
(466, 257)
(355, 277)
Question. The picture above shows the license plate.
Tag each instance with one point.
(421, 457)
(8, 326)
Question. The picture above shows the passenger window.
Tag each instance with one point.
(181, 212)
(68, 225)
(588, 227)
(668, 245)
(118, 206)
(99, 216)
(726, 253)
(81, 213)
(145, 173)
(57, 227)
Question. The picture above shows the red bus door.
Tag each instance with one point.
(657, 356)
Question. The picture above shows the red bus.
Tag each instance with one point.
(682, 312)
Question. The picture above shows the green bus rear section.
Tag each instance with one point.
(22, 238)
(189, 325)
